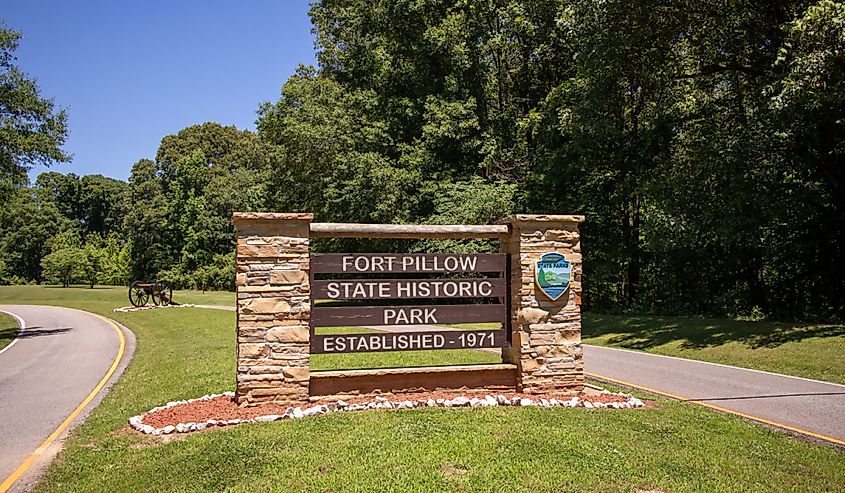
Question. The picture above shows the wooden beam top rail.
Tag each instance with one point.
(351, 230)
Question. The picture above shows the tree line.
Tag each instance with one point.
(704, 142)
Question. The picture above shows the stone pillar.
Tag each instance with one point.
(273, 290)
(546, 334)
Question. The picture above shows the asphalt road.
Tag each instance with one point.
(814, 406)
(811, 405)
(55, 363)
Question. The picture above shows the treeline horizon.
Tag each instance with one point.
(703, 142)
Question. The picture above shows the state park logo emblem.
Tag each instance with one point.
(551, 275)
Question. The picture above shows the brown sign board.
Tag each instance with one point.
(360, 316)
(410, 263)
(425, 317)
(368, 289)
(408, 341)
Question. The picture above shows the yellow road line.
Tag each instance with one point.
(29, 461)
(775, 424)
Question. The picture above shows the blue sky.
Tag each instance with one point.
(130, 73)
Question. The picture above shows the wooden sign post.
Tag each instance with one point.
(286, 295)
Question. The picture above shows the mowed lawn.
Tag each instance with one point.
(8, 329)
(802, 349)
(187, 352)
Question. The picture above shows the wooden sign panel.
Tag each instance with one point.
(361, 316)
(410, 263)
(369, 289)
(408, 341)
(425, 317)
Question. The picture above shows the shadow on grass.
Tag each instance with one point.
(80, 286)
(644, 332)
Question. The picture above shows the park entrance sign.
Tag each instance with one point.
(423, 316)
(524, 301)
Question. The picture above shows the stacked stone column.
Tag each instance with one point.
(273, 291)
(546, 334)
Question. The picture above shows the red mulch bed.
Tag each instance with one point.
(224, 408)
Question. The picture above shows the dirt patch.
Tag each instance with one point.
(451, 470)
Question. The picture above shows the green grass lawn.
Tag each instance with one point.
(184, 353)
(801, 349)
(8, 329)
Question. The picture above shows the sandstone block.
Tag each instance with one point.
(257, 251)
(263, 306)
(532, 315)
(290, 334)
(288, 277)
(297, 374)
(251, 350)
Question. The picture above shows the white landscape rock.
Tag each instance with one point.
(378, 402)
(460, 401)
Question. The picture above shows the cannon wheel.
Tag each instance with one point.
(162, 294)
(138, 295)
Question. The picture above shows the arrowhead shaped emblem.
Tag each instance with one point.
(551, 275)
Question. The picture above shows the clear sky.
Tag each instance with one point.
(130, 73)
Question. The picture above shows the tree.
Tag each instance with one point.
(698, 138)
(809, 102)
(27, 223)
(95, 203)
(64, 266)
(115, 261)
(180, 206)
(147, 219)
(32, 131)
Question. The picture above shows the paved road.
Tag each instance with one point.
(818, 407)
(56, 362)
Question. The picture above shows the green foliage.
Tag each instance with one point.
(66, 265)
(108, 260)
(699, 140)
(27, 222)
(31, 130)
(219, 275)
(704, 142)
(476, 201)
(541, 278)
(97, 204)
(180, 206)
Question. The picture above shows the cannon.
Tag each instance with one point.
(160, 292)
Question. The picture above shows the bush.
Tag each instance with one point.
(217, 276)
